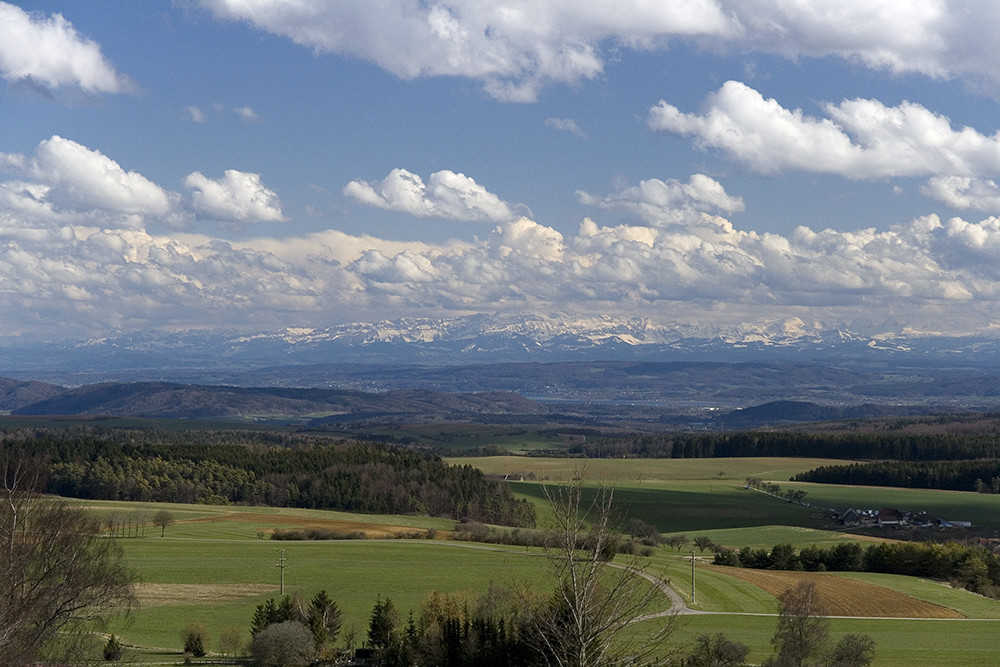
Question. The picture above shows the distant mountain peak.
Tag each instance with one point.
(501, 337)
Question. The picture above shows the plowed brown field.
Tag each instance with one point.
(154, 595)
(371, 530)
(843, 597)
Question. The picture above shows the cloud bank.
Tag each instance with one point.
(517, 47)
(76, 256)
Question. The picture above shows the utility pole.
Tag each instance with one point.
(692, 576)
(281, 566)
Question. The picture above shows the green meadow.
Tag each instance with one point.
(239, 574)
(214, 565)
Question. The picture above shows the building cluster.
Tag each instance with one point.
(890, 517)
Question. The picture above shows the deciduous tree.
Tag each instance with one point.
(283, 645)
(585, 621)
(163, 518)
(852, 651)
(230, 642)
(803, 631)
(717, 651)
(58, 573)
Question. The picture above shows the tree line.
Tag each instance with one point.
(865, 446)
(261, 468)
(982, 476)
(973, 567)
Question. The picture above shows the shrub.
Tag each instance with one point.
(195, 638)
(112, 650)
(230, 642)
(283, 645)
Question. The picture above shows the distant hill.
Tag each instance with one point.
(17, 393)
(170, 400)
(778, 412)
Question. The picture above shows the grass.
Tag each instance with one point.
(238, 575)
(639, 471)
(211, 566)
(900, 643)
(676, 494)
(765, 537)
(690, 506)
(980, 509)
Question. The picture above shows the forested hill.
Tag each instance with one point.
(259, 468)
(17, 393)
(170, 400)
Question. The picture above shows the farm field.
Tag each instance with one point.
(219, 582)
(900, 643)
(620, 471)
(659, 490)
(462, 436)
(212, 565)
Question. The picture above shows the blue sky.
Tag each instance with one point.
(260, 164)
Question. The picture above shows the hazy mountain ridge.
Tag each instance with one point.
(500, 338)
(171, 400)
(17, 393)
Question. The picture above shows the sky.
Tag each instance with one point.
(258, 164)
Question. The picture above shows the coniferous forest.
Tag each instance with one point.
(262, 468)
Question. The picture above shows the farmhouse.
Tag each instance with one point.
(853, 517)
(850, 517)
(890, 517)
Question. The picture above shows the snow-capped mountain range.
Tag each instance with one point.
(501, 338)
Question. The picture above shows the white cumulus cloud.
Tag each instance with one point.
(236, 197)
(964, 192)
(49, 52)
(516, 47)
(64, 182)
(859, 139)
(70, 176)
(446, 195)
(513, 47)
(669, 202)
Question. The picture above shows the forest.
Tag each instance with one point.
(973, 567)
(982, 476)
(262, 468)
(854, 445)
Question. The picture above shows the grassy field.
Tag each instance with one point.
(212, 566)
(619, 471)
(706, 494)
(219, 582)
(900, 643)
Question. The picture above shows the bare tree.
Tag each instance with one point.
(163, 518)
(803, 631)
(57, 572)
(585, 622)
(717, 651)
(230, 642)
